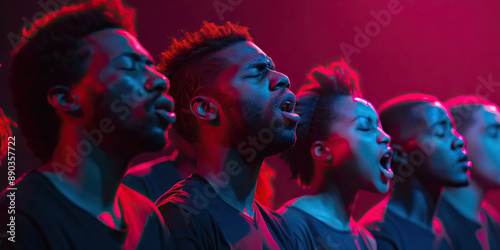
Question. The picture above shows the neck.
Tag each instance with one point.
(466, 200)
(415, 202)
(184, 164)
(233, 178)
(90, 179)
(330, 204)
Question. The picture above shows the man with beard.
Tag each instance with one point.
(236, 110)
(428, 155)
(469, 220)
(88, 100)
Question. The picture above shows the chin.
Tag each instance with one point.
(380, 188)
(287, 139)
(281, 143)
(458, 183)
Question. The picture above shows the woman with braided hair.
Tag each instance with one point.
(340, 150)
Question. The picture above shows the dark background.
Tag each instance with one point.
(439, 47)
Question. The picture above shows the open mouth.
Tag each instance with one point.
(286, 107)
(164, 109)
(385, 163)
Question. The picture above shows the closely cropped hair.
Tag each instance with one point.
(191, 70)
(463, 107)
(395, 113)
(315, 106)
(49, 55)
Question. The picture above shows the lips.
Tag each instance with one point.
(385, 163)
(286, 107)
(164, 109)
(465, 161)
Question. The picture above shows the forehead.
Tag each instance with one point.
(431, 113)
(242, 52)
(489, 114)
(115, 42)
(350, 106)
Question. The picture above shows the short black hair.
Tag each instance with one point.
(49, 55)
(462, 109)
(314, 105)
(186, 64)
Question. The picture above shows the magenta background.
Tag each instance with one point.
(438, 47)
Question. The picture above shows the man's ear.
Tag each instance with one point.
(61, 98)
(321, 152)
(204, 108)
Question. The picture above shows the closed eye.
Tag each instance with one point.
(439, 134)
(128, 69)
(365, 129)
(129, 61)
(365, 123)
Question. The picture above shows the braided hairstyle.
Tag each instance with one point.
(315, 101)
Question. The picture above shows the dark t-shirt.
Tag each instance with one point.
(393, 232)
(311, 233)
(199, 219)
(45, 219)
(466, 234)
(152, 179)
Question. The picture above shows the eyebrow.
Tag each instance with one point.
(138, 57)
(260, 61)
(367, 117)
(443, 122)
(493, 125)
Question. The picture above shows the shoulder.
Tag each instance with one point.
(22, 231)
(33, 194)
(136, 201)
(274, 218)
(152, 168)
(366, 236)
(184, 208)
(491, 213)
(294, 217)
(382, 225)
(190, 227)
(374, 216)
(191, 194)
(298, 224)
